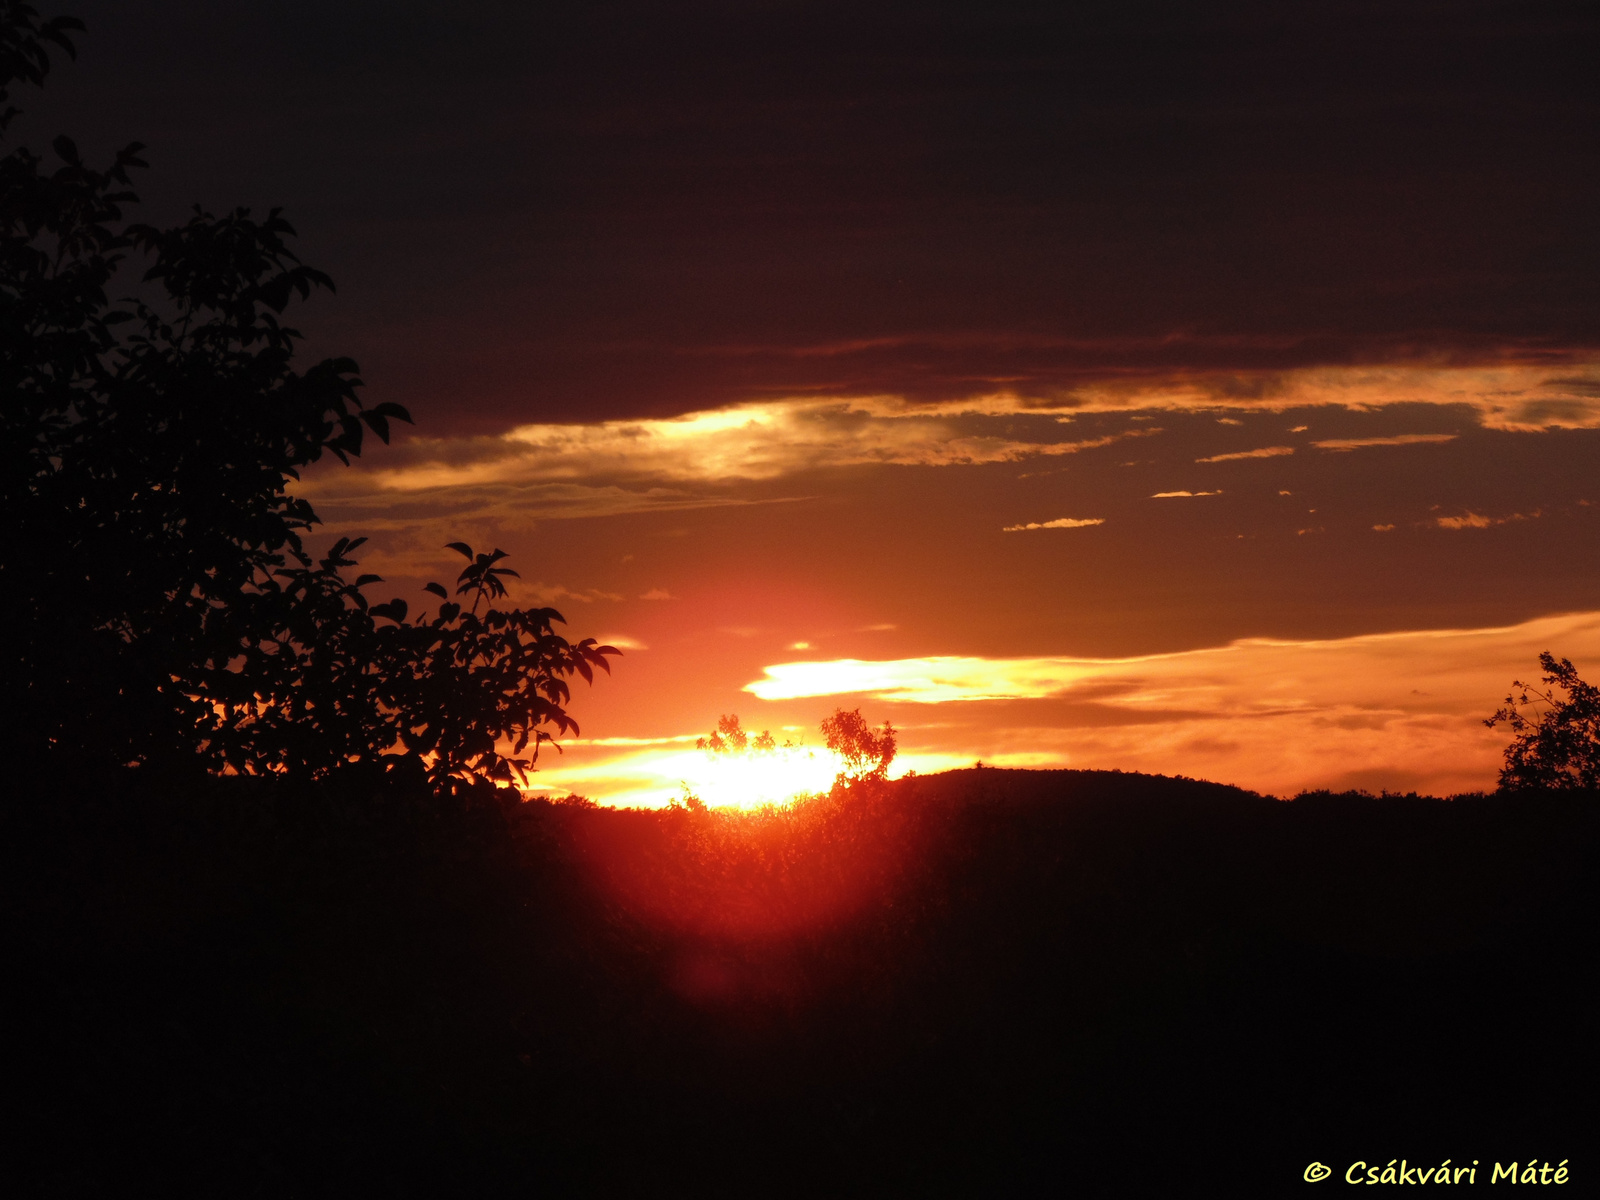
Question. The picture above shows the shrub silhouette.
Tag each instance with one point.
(159, 603)
(729, 738)
(1560, 746)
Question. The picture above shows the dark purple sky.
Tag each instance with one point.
(561, 212)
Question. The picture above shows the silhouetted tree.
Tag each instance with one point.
(157, 599)
(1560, 746)
(866, 753)
(319, 684)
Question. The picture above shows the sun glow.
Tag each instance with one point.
(653, 773)
(754, 778)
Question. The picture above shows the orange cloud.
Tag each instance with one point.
(548, 594)
(1516, 397)
(1264, 452)
(695, 460)
(1248, 676)
(1404, 439)
(1474, 520)
(758, 440)
(1058, 523)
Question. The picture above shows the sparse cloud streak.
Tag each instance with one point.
(1404, 439)
(1472, 520)
(1058, 523)
(1511, 396)
(547, 594)
(1263, 452)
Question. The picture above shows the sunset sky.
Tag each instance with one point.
(1210, 389)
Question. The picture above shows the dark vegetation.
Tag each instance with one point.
(1560, 746)
(267, 930)
(987, 982)
(160, 606)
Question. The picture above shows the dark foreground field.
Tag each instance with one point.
(994, 982)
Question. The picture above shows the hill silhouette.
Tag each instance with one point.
(988, 982)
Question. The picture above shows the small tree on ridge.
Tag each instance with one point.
(1560, 746)
(866, 752)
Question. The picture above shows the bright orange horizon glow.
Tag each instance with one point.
(1314, 578)
(669, 770)
(1401, 710)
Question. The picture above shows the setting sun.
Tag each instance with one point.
(645, 773)
(751, 778)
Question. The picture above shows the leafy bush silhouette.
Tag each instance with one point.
(1560, 746)
(159, 602)
(321, 685)
(729, 738)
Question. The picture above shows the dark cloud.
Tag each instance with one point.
(584, 211)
